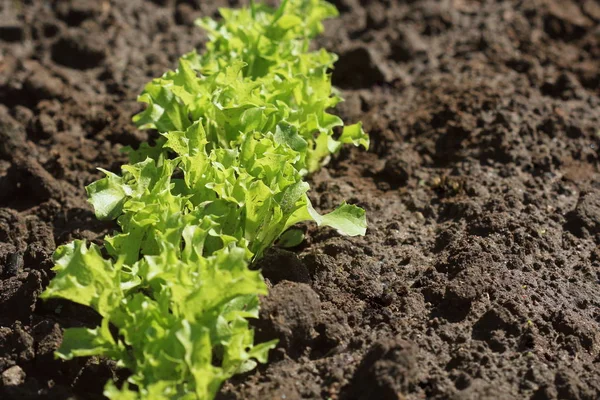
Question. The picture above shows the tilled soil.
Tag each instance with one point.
(479, 276)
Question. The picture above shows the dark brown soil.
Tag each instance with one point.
(479, 276)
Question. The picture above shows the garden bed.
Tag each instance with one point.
(479, 275)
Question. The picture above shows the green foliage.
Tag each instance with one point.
(240, 126)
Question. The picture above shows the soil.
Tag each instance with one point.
(479, 276)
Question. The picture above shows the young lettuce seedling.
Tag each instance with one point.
(241, 125)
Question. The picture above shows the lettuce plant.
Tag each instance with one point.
(240, 127)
